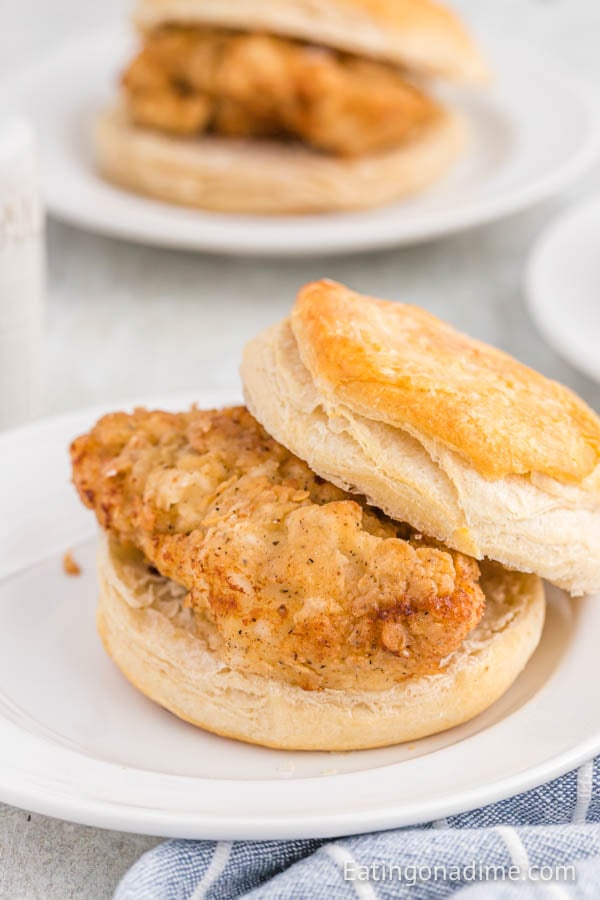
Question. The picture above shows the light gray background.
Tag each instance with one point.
(129, 321)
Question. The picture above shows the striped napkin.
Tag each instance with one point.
(542, 844)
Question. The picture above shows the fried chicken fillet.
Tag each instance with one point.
(187, 80)
(304, 582)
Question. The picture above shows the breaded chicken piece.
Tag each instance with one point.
(187, 80)
(304, 582)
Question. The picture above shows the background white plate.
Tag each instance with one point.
(77, 741)
(563, 286)
(534, 131)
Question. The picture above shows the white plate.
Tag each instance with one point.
(77, 741)
(533, 132)
(563, 286)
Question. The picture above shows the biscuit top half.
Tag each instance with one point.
(421, 35)
(400, 365)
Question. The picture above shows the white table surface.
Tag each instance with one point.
(127, 321)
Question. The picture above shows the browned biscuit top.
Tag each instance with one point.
(400, 365)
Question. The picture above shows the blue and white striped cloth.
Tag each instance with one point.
(542, 844)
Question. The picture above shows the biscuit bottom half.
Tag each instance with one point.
(269, 177)
(168, 652)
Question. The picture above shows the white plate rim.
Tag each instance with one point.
(33, 789)
(546, 246)
(345, 236)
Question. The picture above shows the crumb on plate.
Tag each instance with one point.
(70, 565)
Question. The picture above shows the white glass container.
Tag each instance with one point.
(22, 272)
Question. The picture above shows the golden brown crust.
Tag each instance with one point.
(191, 80)
(302, 582)
(400, 365)
(174, 663)
(420, 34)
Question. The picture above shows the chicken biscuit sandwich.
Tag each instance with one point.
(276, 106)
(354, 559)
